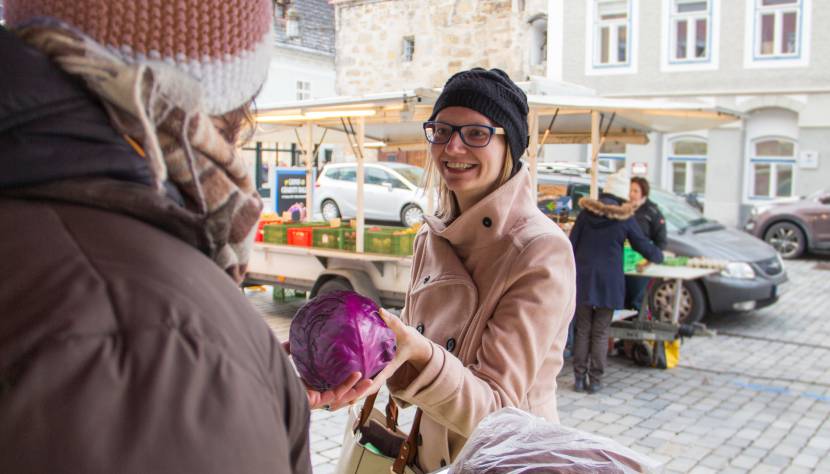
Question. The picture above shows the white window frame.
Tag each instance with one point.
(303, 90)
(689, 160)
(712, 60)
(752, 36)
(774, 162)
(592, 43)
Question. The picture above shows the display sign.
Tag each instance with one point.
(289, 189)
(808, 160)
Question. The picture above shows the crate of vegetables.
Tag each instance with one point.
(339, 238)
(389, 240)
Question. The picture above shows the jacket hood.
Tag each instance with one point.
(609, 207)
(52, 128)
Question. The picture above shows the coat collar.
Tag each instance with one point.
(605, 208)
(490, 219)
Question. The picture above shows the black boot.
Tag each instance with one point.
(595, 386)
(579, 383)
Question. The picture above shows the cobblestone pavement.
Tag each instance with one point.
(756, 398)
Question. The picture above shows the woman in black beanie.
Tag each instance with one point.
(492, 288)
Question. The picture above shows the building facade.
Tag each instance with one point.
(768, 59)
(388, 45)
(302, 67)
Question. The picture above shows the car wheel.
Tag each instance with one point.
(334, 284)
(787, 238)
(329, 210)
(411, 215)
(692, 301)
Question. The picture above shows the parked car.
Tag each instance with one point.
(391, 192)
(752, 279)
(794, 227)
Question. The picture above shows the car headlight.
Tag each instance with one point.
(740, 270)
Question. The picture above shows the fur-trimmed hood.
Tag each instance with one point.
(603, 207)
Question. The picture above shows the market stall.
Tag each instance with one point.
(393, 122)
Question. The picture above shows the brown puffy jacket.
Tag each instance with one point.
(124, 349)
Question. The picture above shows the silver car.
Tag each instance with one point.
(391, 192)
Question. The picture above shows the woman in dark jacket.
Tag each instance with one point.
(653, 225)
(598, 237)
(126, 216)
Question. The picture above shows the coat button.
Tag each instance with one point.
(487, 222)
(420, 328)
(426, 279)
(443, 463)
(450, 344)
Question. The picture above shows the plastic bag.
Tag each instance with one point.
(513, 441)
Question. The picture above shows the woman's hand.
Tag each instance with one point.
(344, 394)
(412, 347)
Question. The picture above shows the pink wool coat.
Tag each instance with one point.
(494, 291)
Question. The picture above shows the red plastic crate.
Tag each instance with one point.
(300, 236)
(260, 225)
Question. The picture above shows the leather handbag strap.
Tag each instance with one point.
(366, 411)
(392, 415)
(409, 448)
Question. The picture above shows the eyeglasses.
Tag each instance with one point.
(475, 136)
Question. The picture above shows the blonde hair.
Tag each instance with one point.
(447, 206)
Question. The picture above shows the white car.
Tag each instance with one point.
(391, 192)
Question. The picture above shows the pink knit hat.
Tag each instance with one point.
(225, 44)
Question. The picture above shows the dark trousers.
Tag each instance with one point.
(635, 290)
(591, 338)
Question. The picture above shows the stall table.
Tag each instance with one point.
(641, 328)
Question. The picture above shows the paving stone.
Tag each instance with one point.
(681, 464)
(777, 460)
(744, 462)
(805, 460)
(714, 461)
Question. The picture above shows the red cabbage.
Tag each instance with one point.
(336, 334)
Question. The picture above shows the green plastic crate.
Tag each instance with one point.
(278, 233)
(340, 238)
(388, 240)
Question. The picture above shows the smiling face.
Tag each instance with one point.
(470, 173)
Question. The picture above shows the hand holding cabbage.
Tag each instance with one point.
(341, 340)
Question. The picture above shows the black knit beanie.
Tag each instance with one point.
(492, 94)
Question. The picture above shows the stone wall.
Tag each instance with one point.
(449, 35)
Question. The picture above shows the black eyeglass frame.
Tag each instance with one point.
(458, 128)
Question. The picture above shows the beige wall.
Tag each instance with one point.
(450, 35)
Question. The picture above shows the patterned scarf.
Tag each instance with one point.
(160, 108)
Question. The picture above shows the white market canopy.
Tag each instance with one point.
(393, 121)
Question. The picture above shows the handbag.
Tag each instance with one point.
(373, 443)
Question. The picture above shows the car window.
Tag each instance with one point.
(332, 173)
(377, 176)
(413, 174)
(579, 191)
(678, 213)
(348, 174)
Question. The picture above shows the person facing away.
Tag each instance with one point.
(492, 287)
(598, 236)
(653, 225)
(127, 216)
